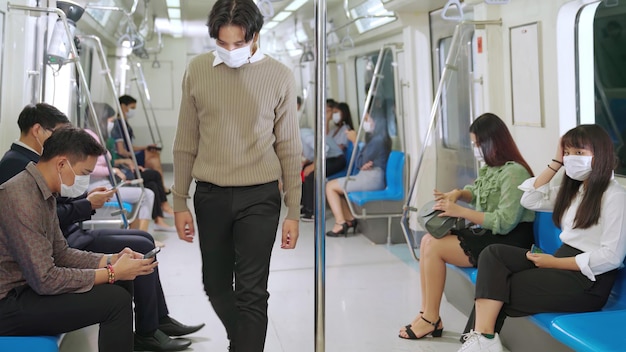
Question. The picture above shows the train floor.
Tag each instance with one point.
(371, 291)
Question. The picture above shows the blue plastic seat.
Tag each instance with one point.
(30, 343)
(394, 175)
(127, 206)
(546, 233)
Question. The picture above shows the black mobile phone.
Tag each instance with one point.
(152, 253)
(535, 249)
(121, 184)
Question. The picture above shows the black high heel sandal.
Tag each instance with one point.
(352, 224)
(343, 231)
(435, 333)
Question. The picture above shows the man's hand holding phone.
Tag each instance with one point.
(152, 253)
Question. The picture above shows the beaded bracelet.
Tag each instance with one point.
(111, 273)
(550, 167)
(556, 161)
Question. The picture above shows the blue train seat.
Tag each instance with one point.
(127, 206)
(394, 190)
(30, 343)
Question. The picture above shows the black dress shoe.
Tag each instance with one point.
(160, 342)
(176, 328)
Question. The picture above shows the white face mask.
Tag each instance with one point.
(80, 186)
(235, 58)
(577, 167)
(130, 113)
(337, 118)
(368, 126)
(110, 126)
(478, 154)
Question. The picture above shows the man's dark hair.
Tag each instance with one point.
(242, 13)
(44, 114)
(127, 100)
(299, 100)
(72, 142)
(331, 103)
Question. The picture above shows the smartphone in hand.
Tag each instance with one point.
(117, 186)
(535, 249)
(152, 253)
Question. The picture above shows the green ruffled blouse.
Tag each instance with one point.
(496, 194)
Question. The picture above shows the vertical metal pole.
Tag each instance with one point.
(320, 176)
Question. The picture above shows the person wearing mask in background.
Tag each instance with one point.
(148, 156)
(237, 136)
(46, 287)
(496, 211)
(371, 162)
(74, 207)
(342, 123)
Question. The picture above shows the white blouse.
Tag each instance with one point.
(603, 244)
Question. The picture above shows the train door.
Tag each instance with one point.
(601, 64)
(455, 162)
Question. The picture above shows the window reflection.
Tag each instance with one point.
(609, 43)
(383, 104)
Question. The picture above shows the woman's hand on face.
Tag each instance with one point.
(559, 152)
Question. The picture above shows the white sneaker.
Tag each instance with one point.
(476, 342)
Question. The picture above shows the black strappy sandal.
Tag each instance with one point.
(435, 333)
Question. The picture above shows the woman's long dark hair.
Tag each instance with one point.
(595, 139)
(496, 142)
(346, 116)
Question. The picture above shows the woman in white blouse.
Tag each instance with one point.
(590, 208)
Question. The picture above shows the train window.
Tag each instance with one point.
(101, 16)
(384, 96)
(602, 76)
(454, 104)
(371, 14)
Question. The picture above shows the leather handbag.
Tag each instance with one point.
(437, 226)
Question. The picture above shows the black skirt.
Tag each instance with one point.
(473, 242)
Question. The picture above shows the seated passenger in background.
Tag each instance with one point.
(590, 208)
(72, 210)
(342, 122)
(331, 107)
(371, 162)
(40, 273)
(335, 162)
(497, 210)
(148, 156)
(151, 207)
(100, 178)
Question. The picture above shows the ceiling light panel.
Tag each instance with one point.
(281, 16)
(173, 3)
(173, 13)
(295, 5)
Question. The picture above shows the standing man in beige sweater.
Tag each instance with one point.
(237, 137)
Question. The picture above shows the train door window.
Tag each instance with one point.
(601, 30)
(384, 96)
(454, 100)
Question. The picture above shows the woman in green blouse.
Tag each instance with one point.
(496, 209)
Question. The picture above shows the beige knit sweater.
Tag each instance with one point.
(238, 127)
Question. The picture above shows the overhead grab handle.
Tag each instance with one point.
(458, 17)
